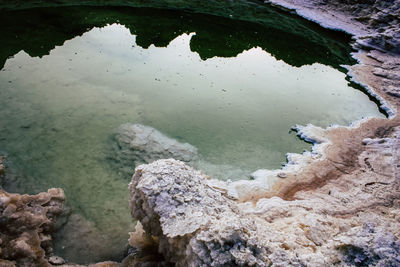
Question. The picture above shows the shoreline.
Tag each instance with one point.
(341, 156)
(332, 208)
(359, 73)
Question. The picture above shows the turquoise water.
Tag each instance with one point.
(64, 92)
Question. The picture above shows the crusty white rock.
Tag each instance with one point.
(351, 222)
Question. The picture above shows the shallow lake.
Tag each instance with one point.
(233, 89)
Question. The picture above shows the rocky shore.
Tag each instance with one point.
(26, 224)
(337, 205)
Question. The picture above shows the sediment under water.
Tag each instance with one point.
(232, 89)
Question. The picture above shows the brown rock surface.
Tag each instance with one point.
(26, 223)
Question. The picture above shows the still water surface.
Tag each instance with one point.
(59, 111)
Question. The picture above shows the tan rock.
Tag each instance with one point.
(26, 222)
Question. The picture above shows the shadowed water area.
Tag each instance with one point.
(71, 76)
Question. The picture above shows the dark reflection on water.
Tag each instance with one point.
(291, 39)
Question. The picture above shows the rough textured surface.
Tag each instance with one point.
(336, 149)
(338, 205)
(340, 223)
(374, 23)
(138, 144)
(174, 202)
(26, 224)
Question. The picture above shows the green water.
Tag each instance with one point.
(233, 89)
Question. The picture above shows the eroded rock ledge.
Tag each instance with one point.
(26, 225)
(352, 222)
(374, 23)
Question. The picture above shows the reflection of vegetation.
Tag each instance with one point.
(297, 42)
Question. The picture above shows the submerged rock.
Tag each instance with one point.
(148, 144)
(138, 144)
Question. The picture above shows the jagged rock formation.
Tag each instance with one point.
(374, 23)
(173, 202)
(341, 223)
(26, 224)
